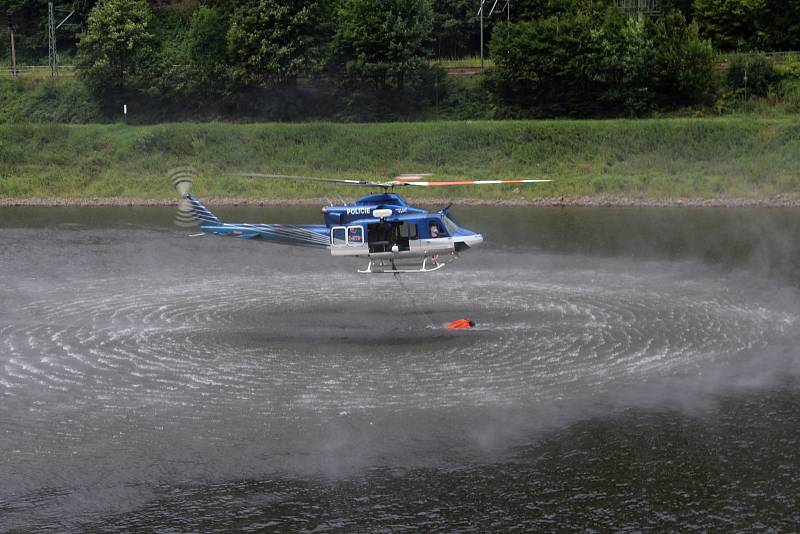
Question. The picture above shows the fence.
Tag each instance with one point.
(36, 71)
(470, 65)
(645, 7)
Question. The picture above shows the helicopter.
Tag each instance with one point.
(382, 228)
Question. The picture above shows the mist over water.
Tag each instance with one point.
(630, 369)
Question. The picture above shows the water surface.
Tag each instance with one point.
(631, 369)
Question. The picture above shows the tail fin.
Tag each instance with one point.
(191, 211)
(200, 213)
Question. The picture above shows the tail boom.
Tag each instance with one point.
(288, 234)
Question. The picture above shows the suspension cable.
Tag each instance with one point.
(413, 301)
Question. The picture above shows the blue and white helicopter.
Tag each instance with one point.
(383, 228)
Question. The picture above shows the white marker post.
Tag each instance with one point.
(125, 112)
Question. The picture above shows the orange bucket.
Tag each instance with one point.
(460, 324)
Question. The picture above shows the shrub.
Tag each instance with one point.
(755, 73)
(790, 90)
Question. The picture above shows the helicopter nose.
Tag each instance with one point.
(473, 240)
(469, 241)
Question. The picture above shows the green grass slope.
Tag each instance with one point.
(726, 157)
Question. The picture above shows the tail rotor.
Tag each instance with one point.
(182, 179)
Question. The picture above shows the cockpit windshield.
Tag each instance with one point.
(450, 225)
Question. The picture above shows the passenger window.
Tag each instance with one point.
(408, 230)
(355, 235)
(338, 237)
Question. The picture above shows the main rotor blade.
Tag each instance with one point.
(411, 176)
(469, 182)
(404, 179)
(314, 178)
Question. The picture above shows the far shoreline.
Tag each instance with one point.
(597, 201)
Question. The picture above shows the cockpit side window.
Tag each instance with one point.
(452, 227)
(435, 229)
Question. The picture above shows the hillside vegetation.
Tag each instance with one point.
(381, 60)
(739, 157)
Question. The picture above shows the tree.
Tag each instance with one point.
(547, 65)
(385, 42)
(455, 28)
(205, 42)
(115, 50)
(206, 49)
(730, 24)
(683, 63)
(619, 62)
(778, 27)
(275, 41)
(599, 62)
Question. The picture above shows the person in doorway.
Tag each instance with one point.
(387, 234)
(434, 230)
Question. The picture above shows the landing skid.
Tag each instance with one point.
(429, 264)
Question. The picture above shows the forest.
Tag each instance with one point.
(373, 60)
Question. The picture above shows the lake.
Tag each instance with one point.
(631, 369)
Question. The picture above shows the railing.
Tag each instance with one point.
(469, 65)
(38, 71)
(646, 7)
(781, 60)
(775, 56)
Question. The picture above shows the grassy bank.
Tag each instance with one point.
(705, 158)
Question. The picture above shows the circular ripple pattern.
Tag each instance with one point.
(364, 344)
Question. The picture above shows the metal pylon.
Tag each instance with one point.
(52, 55)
